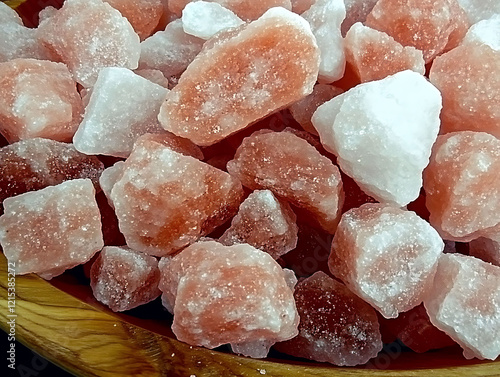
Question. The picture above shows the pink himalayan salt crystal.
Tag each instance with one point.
(462, 183)
(478, 10)
(386, 255)
(464, 302)
(374, 55)
(335, 326)
(123, 279)
(154, 75)
(165, 200)
(88, 35)
(228, 294)
(486, 249)
(356, 11)
(469, 80)
(39, 99)
(240, 78)
(485, 32)
(423, 24)
(53, 229)
(269, 160)
(300, 6)
(34, 164)
(265, 222)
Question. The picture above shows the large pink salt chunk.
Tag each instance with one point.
(265, 66)
(462, 185)
(39, 99)
(464, 302)
(269, 160)
(123, 279)
(51, 230)
(335, 326)
(88, 35)
(228, 294)
(486, 249)
(386, 255)
(423, 24)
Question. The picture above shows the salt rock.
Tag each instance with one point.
(34, 164)
(374, 55)
(356, 11)
(469, 80)
(109, 177)
(335, 326)
(124, 279)
(386, 255)
(88, 35)
(228, 294)
(486, 249)
(325, 18)
(462, 184)
(143, 15)
(382, 134)
(170, 51)
(39, 99)
(154, 75)
(485, 32)
(122, 107)
(307, 180)
(478, 10)
(51, 230)
(204, 19)
(464, 302)
(265, 222)
(9, 15)
(423, 24)
(300, 6)
(46, 13)
(241, 78)
(165, 200)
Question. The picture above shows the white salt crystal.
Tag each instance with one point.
(9, 15)
(478, 10)
(485, 31)
(109, 177)
(46, 13)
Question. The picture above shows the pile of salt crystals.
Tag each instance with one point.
(176, 110)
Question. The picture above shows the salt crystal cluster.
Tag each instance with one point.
(38, 99)
(478, 10)
(386, 255)
(464, 302)
(123, 279)
(265, 66)
(356, 11)
(485, 32)
(382, 134)
(486, 249)
(228, 294)
(268, 160)
(53, 229)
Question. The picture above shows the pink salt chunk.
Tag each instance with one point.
(462, 183)
(356, 11)
(123, 279)
(88, 35)
(39, 99)
(53, 229)
(154, 75)
(264, 222)
(386, 255)
(374, 55)
(486, 249)
(464, 302)
(469, 80)
(228, 294)
(269, 160)
(258, 69)
(335, 326)
(165, 200)
(423, 24)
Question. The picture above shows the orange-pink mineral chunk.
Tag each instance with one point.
(469, 80)
(462, 185)
(38, 99)
(386, 255)
(269, 160)
(265, 66)
(228, 294)
(336, 326)
(464, 302)
(165, 200)
(88, 35)
(486, 249)
(123, 279)
(53, 229)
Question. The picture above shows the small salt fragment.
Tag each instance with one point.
(123, 279)
(382, 134)
(478, 10)
(356, 11)
(154, 75)
(46, 13)
(486, 249)
(485, 32)
(386, 255)
(464, 302)
(109, 177)
(51, 230)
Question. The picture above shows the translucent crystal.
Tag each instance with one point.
(485, 31)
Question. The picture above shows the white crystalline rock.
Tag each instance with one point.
(325, 18)
(9, 15)
(109, 177)
(382, 134)
(205, 19)
(46, 13)
(485, 32)
(356, 11)
(478, 10)
(122, 107)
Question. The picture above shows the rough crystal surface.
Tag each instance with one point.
(485, 32)
(478, 10)
(154, 75)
